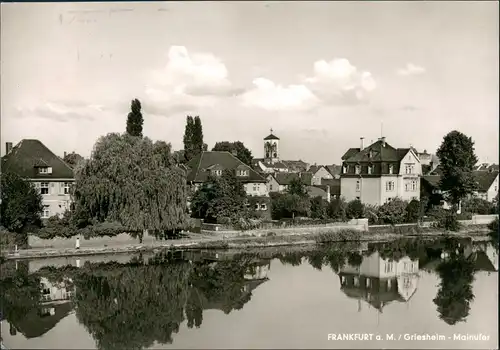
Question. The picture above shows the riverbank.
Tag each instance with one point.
(250, 240)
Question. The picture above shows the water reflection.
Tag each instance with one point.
(143, 301)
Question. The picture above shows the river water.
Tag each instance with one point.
(407, 294)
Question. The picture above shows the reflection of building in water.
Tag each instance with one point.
(56, 292)
(380, 281)
(484, 255)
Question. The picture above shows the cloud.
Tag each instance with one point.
(411, 69)
(270, 96)
(336, 82)
(188, 82)
(61, 112)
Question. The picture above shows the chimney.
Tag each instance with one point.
(383, 141)
(362, 147)
(8, 147)
(328, 196)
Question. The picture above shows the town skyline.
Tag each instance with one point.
(69, 72)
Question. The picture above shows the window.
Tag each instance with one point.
(45, 212)
(370, 169)
(344, 169)
(256, 187)
(408, 168)
(44, 188)
(270, 187)
(413, 185)
(217, 172)
(407, 186)
(357, 169)
(66, 187)
(257, 206)
(263, 206)
(43, 170)
(388, 267)
(242, 173)
(389, 186)
(391, 169)
(358, 186)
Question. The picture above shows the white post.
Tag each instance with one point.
(77, 243)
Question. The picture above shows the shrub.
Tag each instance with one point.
(319, 208)
(413, 211)
(448, 222)
(8, 240)
(337, 210)
(477, 205)
(371, 213)
(393, 212)
(493, 227)
(355, 209)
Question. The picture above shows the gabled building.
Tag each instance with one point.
(379, 173)
(32, 160)
(214, 163)
(324, 172)
(279, 182)
(487, 184)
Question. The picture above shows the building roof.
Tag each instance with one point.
(334, 185)
(271, 136)
(199, 166)
(485, 179)
(29, 154)
(296, 165)
(317, 191)
(286, 178)
(379, 151)
(334, 169)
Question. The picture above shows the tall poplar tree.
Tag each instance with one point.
(135, 119)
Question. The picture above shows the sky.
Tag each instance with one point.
(320, 74)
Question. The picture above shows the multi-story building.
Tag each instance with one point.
(379, 173)
(32, 160)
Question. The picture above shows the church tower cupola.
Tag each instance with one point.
(271, 148)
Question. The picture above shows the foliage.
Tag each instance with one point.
(372, 214)
(337, 209)
(220, 198)
(455, 290)
(125, 180)
(297, 187)
(286, 205)
(355, 209)
(347, 235)
(448, 221)
(21, 204)
(493, 227)
(8, 240)
(135, 119)
(477, 205)
(238, 148)
(413, 211)
(72, 159)
(392, 212)
(319, 208)
(457, 161)
(193, 138)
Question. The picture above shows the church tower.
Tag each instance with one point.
(271, 148)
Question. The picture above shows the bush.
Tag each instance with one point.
(319, 208)
(493, 227)
(393, 212)
(355, 209)
(371, 213)
(337, 210)
(478, 206)
(413, 211)
(448, 222)
(8, 240)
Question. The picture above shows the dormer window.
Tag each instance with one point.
(357, 169)
(45, 170)
(242, 172)
(391, 169)
(370, 154)
(217, 172)
(344, 169)
(370, 169)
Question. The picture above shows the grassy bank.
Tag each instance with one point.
(270, 239)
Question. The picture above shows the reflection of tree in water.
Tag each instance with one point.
(132, 306)
(291, 258)
(221, 286)
(19, 293)
(455, 290)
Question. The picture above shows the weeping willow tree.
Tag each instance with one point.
(132, 181)
(122, 311)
